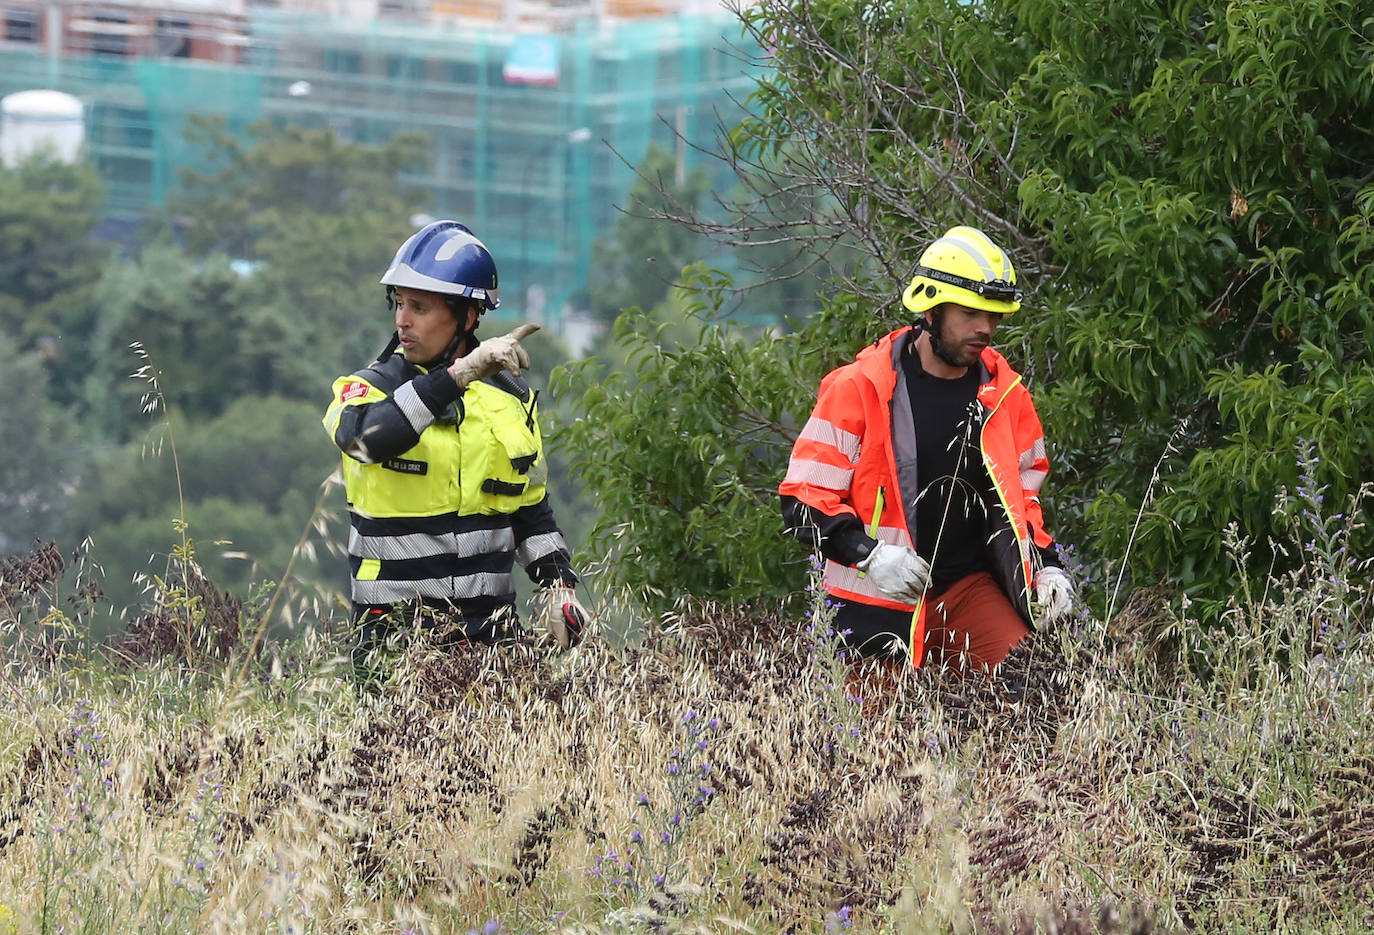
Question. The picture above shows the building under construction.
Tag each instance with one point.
(536, 109)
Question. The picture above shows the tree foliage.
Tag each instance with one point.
(1211, 218)
(261, 292)
(1186, 190)
(683, 447)
(256, 188)
(316, 220)
(50, 264)
(638, 266)
(192, 317)
(245, 480)
(42, 455)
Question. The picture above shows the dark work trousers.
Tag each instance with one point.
(441, 621)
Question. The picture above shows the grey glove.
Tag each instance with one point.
(492, 356)
(565, 619)
(897, 571)
(1054, 594)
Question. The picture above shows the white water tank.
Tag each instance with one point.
(33, 121)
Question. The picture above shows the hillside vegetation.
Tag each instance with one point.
(1187, 191)
(1141, 775)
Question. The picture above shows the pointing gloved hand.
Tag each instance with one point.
(492, 356)
(1054, 593)
(897, 571)
(565, 619)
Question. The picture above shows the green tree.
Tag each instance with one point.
(1207, 215)
(50, 262)
(316, 221)
(757, 235)
(317, 310)
(641, 263)
(191, 318)
(246, 481)
(1187, 192)
(256, 188)
(39, 463)
(683, 438)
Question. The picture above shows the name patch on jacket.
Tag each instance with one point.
(406, 467)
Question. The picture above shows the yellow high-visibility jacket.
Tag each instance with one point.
(446, 489)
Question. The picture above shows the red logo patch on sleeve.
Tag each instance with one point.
(353, 391)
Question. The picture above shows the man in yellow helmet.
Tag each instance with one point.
(443, 461)
(918, 476)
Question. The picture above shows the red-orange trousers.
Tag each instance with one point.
(970, 625)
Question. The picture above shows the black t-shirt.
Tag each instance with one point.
(952, 505)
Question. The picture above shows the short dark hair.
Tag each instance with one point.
(459, 305)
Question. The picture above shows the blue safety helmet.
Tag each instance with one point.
(445, 257)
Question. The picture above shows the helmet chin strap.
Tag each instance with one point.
(466, 339)
(390, 348)
(932, 330)
(462, 338)
(447, 355)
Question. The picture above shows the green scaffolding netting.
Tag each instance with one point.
(533, 136)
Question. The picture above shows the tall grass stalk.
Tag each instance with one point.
(1169, 449)
(718, 773)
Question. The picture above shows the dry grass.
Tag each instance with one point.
(713, 778)
(1140, 776)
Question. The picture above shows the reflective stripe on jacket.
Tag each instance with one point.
(446, 491)
(858, 448)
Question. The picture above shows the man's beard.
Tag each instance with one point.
(937, 343)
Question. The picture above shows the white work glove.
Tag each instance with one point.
(1054, 593)
(565, 619)
(492, 356)
(896, 570)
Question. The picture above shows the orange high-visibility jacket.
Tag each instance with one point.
(859, 448)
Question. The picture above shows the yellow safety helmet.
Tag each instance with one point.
(967, 268)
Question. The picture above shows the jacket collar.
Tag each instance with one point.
(880, 361)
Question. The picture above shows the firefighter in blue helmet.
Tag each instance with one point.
(443, 461)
